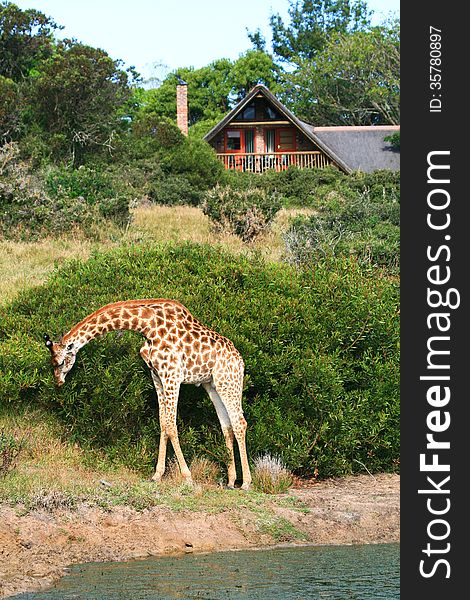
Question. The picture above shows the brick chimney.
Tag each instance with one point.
(182, 105)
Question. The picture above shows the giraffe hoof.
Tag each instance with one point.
(230, 486)
(245, 487)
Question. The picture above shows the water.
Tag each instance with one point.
(368, 572)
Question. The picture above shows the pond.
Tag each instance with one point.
(369, 572)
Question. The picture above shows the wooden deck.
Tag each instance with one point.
(279, 161)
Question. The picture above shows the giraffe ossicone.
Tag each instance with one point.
(178, 349)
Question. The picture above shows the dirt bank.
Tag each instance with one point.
(35, 548)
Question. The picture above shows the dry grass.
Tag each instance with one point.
(24, 265)
(187, 223)
(270, 475)
(203, 471)
(47, 462)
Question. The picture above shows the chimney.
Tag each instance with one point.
(182, 105)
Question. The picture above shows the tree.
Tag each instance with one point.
(355, 80)
(212, 90)
(312, 22)
(252, 68)
(26, 39)
(9, 112)
(208, 90)
(76, 98)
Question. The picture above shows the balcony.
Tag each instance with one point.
(278, 161)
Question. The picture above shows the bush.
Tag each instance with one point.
(9, 109)
(320, 347)
(245, 213)
(270, 475)
(98, 188)
(173, 169)
(195, 160)
(89, 183)
(320, 188)
(173, 190)
(33, 205)
(360, 227)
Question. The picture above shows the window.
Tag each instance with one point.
(286, 139)
(270, 113)
(248, 113)
(233, 140)
(270, 141)
(249, 140)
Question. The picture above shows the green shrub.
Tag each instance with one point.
(150, 134)
(172, 168)
(246, 213)
(9, 109)
(320, 188)
(366, 229)
(32, 205)
(320, 347)
(195, 160)
(173, 190)
(91, 184)
(305, 187)
(394, 140)
(96, 187)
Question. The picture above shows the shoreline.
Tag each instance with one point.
(37, 547)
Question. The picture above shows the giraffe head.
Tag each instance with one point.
(62, 356)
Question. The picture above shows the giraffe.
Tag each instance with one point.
(177, 349)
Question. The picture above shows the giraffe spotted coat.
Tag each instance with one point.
(178, 349)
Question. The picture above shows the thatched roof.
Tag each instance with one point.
(361, 148)
(350, 148)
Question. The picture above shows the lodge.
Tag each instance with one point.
(260, 133)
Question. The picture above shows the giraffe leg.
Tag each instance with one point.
(229, 389)
(171, 392)
(226, 430)
(145, 352)
(160, 469)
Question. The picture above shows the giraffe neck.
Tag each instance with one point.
(113, 317)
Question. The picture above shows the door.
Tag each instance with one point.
(285, 142)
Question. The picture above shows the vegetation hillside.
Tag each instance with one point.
(320, 347)
(299, 268)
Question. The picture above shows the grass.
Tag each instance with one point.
(48, 462)
(270, 475)
(279, 528)
(24, 265)
(51, 472)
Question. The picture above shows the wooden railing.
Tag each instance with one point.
(279, 161)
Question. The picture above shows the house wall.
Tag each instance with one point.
(259, 139)
(304, 144)
(218, 142)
